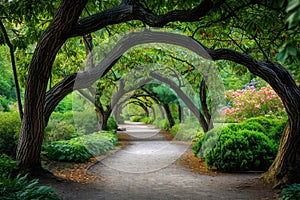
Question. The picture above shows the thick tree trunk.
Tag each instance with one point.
(204, 106)
(103, 119)
(34, 122)
(169, 115)
(180, 114)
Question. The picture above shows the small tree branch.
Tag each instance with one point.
(14, 68)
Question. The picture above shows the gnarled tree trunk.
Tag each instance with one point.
(34, 122)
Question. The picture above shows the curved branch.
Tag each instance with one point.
(185, 99)
(132, 10)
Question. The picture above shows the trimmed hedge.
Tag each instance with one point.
(243, 146)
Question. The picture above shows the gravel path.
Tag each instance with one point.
(147, 169)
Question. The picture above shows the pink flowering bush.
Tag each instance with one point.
(252, 102)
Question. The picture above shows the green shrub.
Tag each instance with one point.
(274, 127)
(277, 131)
(10, 124)
(207, 142)
(100, 142)
(7, 164)
(252, 126)
(242, 150)
(161, 123)
(292, 192)
(174, 130)
(60, 131)
(185, 132)
(4, 104)
(81, 149)
(111, 123)
(199, 134)
(136, 118)
(146, 120)
(65, 105)
(86, 122)
(234, 148)
(22, 189)
(267, 123)
(67, 151)
(58, 117)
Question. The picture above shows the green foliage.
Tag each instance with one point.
(161, 123)
(207, 142)
(267, 123)
(239, 147)
(277, 131)
(60, 131)
(293, 9)
(86, 121)
(146, 120)
(292, 192)
(6, 164)
(4, 104)
(81, 149)
(273, 127)
(100, 143)
(253, 126)
(7, 89)
(65, 105)
(242, 150)
(67, 151)
(9, 130)
(20, 188)
(111, 123)
(136, 118)
(185, 132)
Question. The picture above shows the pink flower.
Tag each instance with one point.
(257, 106)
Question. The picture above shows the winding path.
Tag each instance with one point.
(147, 169)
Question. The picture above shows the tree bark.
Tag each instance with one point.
(169, 115)
(180, 114)
(204, 106)
(103, 119)
(34, 122)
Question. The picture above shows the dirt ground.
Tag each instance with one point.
(130, 172)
